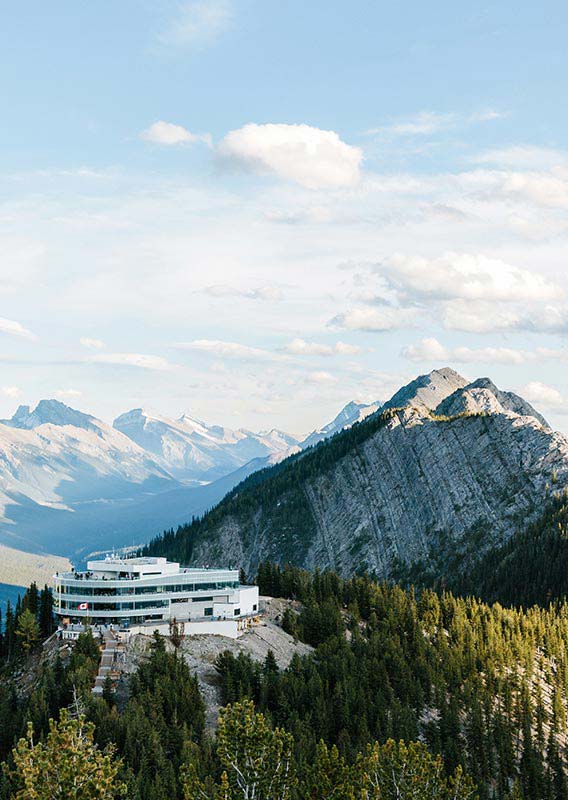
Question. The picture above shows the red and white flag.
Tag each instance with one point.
(83, 606)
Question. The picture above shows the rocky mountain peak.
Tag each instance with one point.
(428, 391)
(482, 395)
(51, 412)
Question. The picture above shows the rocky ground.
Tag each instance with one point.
(200, 652)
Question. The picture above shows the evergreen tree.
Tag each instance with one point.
(67, 766)
(27, 630)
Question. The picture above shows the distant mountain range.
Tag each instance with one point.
(425, 484)
(71, 484)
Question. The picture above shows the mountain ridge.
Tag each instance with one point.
(409, 487)
(70, 482)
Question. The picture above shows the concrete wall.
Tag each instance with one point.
(227, 628)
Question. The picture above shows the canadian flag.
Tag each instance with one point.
(83, 606)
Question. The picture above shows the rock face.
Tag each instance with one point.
(446, 470)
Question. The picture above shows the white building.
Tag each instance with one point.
(150, 591)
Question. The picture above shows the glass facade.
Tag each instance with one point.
(130, 591)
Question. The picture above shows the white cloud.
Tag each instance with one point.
(220, 349)
(478, 317)
(13, 328)
(167, 133)
(299, 347)
(134, 360)
(321, 377)
(425, 123)
(92, 344)
(545, 188)
(312, 157)
(68, 394)
(260, 293)
(376, 319)
(537, 392)
(432, 350)
(465, 276)
(426, 350)
(486, 317)
(199, 23)
(10, 391)
(345, 349)
(523, 157)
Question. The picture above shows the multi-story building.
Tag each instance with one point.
(129, 592)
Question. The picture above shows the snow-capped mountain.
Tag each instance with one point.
(55, 455)
(71, 484)
(192, 450)
(348, 416)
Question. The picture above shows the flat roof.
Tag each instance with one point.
(136, 561)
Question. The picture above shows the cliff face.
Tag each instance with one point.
(446, 477)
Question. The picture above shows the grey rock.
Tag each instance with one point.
(425, 486)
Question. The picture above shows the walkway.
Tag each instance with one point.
(112, 657)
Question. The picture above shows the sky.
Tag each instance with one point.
(254, 212)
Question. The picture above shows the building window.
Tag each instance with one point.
(202, 599)
(208, 612)
(236, 612)
(254, 607)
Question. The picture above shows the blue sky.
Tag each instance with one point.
(255, 212)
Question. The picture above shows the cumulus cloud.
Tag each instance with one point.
(465, 276)
(167, 133)
(199, 23)
(540, 393)
(299, 347)
(484, 317)
(13, 328)
(92, 344)
(478, 317)
(546, 188)
(141, 360)
(461, 291)
(431, 349)
(312, 157)
(68, 394)
(220, 349)
(376, 319)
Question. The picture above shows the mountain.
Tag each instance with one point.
(51, 412)
(443, 472)
(70, 483)
(191, 450)
(54, 463)
(348, 416)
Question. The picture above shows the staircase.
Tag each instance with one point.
(112, 656)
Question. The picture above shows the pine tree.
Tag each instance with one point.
(256, 760)
(46, 612)
(27, 630)
(67, 766)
